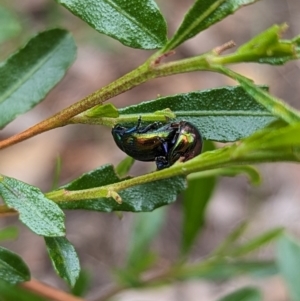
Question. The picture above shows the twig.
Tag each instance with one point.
(218, 50)
(47, 291)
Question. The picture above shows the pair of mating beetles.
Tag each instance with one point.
(164, 144)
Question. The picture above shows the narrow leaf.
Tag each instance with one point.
(12, 267)
(275, 106)
(257, 242)
(124, 166)
(8, 233)
(232, 171)
(195, 200)
(288, 260)
(64, 258)
(134, 199)
(16, 293)
(282, 144)
(244, 294)
(11, 292)
(82, 283)
(224, 114)
(37, 212)
(9, 25)
(105, 110)
(226, 245)
(137, 24)
(223, 270)
(250, 171)
(145, 227)
(267, 48)
(202, 15)
(29, 74)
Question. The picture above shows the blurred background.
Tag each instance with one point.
(101, 238)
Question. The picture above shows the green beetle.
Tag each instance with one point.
(164, 144)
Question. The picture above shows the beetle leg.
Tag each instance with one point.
(176, 136)
(135, 128)
(164, 144)
(161, 162)
(139, 122)
(152, 126)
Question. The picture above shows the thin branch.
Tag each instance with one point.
(149, 70)
(6, 211)
(47, 291)
(218, 50)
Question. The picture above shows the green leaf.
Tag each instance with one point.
(124, 166)
(202, 15)
(223, 270)
(12, 267)
(9, 25)
(16, 293)
(29, 74)
(145, 227)
(64, 258)
(232, 171)
(82, 284)
(250, 171)
(267, 48)
(275, 106)
(8, 233)
(244, 294)
(224, 114)
(195, 200)
(257, 242)
(226, 245)
(105, 110)
(37, 212)
(137, 24)
(288, 260)
(135, 198)
(282, 144)
(57, 172)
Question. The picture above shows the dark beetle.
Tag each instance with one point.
(164, 144)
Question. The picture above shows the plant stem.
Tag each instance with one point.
(6, 211)
(49, 292)
(146, 71)
(128, 81)
(176, 272)
(274, 105)
(221, 158)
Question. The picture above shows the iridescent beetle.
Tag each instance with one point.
(164, 144)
